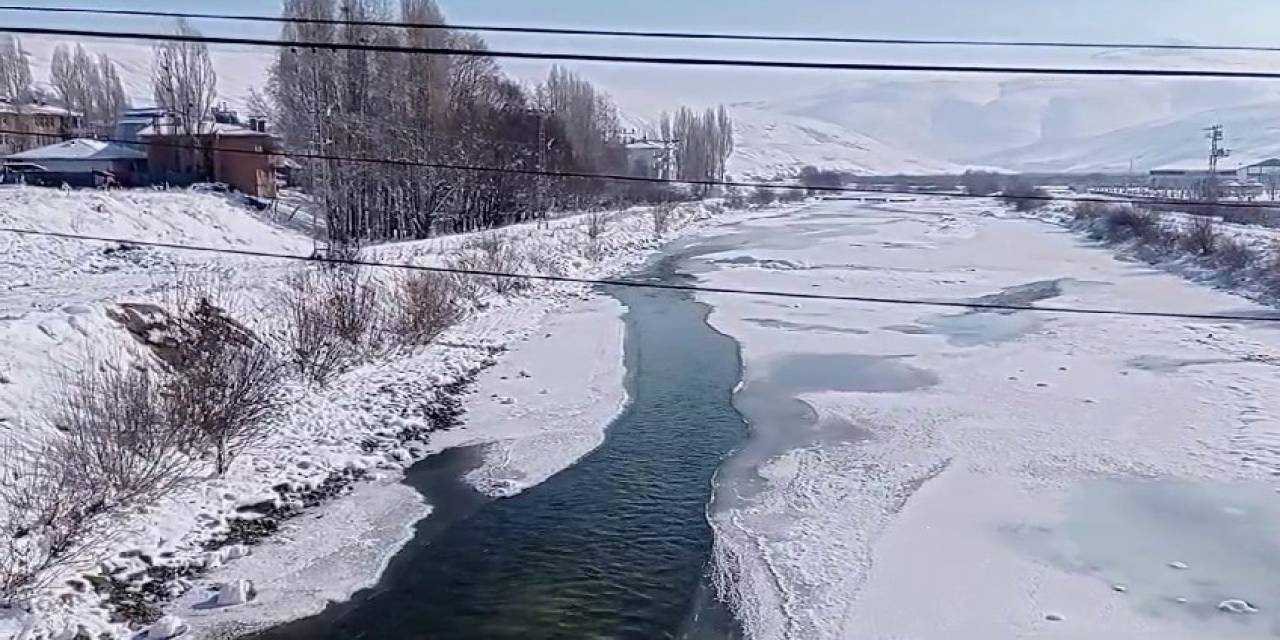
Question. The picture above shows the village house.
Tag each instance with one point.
(224, 151)
(78, 163)
(40, 124)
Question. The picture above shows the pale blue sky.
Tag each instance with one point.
(1219, 21)
(1200, 21)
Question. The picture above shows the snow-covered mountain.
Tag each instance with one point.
(1253, 133)
(770, 144)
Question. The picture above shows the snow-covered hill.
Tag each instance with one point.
(770, 144)
(1253, 133)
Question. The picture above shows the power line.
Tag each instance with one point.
(767, 293)
(732, 184)
(625, 33)
(653, 60)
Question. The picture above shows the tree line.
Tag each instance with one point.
(78, 81)
(447, 109)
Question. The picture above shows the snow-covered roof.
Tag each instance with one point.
(644, 145)
(166, 129)
(37, 109)
(80, 149)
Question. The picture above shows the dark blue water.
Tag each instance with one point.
(615, 546)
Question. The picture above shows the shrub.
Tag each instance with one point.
(597, 225)
(1234, 255)
(980, 183)
(661, 216)
(426, 304)
(1024, 195)
(763, 197)
(1121, 223)
(734, 198)
(334, 320)
(489, 253)
(225, 386)
(1200, 237)
(116, 432)
(49, 518)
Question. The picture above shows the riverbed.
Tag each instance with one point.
(818, 469)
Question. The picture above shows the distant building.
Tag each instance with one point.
(80, 163)
(1183, 178)
(647, 159)
(1264, 172)
(133, 121)
(228, 152)
(40, 124)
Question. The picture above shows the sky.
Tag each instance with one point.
(1231, 22)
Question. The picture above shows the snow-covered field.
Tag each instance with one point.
(922, 473)
(54, 314)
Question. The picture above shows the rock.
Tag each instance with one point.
(1053, 617)
(1180, 600)
(1236, 606)
(233, 593)
(165, 628)
(1177, 564)
(235, 552)
(1119, 588)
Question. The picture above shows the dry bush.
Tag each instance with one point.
(791, 195)
(426, 304)
(1121, 223)
(1088, 211)
(597, 225)
(763, 197)
(1234, 255)
(485, 256)
(116, 432)
(1023, 195)
(661, 216)
(334, 321)
(734, 198)
(49, 519)
(226, 392)
(1201, 237)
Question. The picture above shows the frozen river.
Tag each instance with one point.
(917, 472)
(905, 471)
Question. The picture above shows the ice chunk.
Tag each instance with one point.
(1177, 564)
(1236, 606)
(165, 628)
(235, 592)
(1119, 588)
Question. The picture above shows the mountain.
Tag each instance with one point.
(769, 144)
(1252, 131)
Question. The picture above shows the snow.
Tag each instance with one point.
(165, 628)
(1000, 480)
(542, 406)
(80, 149)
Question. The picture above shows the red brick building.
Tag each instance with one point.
(230, 153)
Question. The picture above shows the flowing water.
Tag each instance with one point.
(615, 546)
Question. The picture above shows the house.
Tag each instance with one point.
(647, 159)
(1264, 172)
(80, 163)
(133, 121)
(215, 151)
(1178, 178)
(40, 124)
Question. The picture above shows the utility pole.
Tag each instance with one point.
(1216, 153)
(540, 197)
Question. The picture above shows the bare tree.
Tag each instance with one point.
(15, 71)
(185, 83)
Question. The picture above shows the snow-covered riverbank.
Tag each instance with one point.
(53, 316)
(926, 473)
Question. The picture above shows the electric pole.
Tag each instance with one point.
(1216, 153)
(540, 197)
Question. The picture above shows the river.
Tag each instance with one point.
(615, 546)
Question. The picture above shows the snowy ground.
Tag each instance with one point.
(53, 315)
(930, 473)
